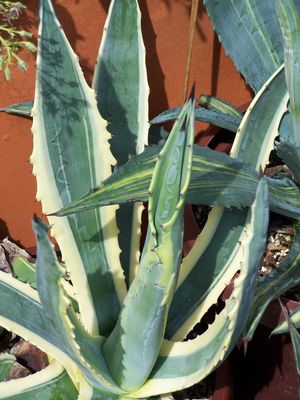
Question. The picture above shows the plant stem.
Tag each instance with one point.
(193, 19)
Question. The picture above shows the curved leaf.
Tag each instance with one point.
(283, 326)
(214, 103)
(289, 152)
(52, 383)
(211, 264)
(22, 313)
(82, 347)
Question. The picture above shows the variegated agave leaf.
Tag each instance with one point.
(224, 229)
(24, 108)
(57, 327)
(120, 80)
(283, 326)
(22, 313)
(123, 102)
(181, 364)
(214, 103)
(66, 121)
(80, 345)
(215, 257)
(216, 180)
(50, 384)
(138, 335)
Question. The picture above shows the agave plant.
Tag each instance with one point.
(118, 330)
(218, 180)
(269, 124)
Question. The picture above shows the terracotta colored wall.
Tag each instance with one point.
(165, 27)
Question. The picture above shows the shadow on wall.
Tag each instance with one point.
(29, 21)
(69, 26)
(158, 97)
(4, 232)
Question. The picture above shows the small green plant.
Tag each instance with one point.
(12, 39)
(118, 329)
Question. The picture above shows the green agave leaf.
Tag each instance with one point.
(283, 326)
(225, 180)
(250, 33)
(275, 284)
(24, 270)
(120, 80)
(286, 125)
(52, 383)
(21, 312)
(216, 179)
(183, 364)
(263, 117)
(289, 152)
(296, 346)
(82, 347)
(295, 336)
(214, 103)
(215, 117)
(289, 20)
(24, 108)
(138, 335)
(6, 362)
(66, 122)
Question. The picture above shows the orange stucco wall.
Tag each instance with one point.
(165, 29)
